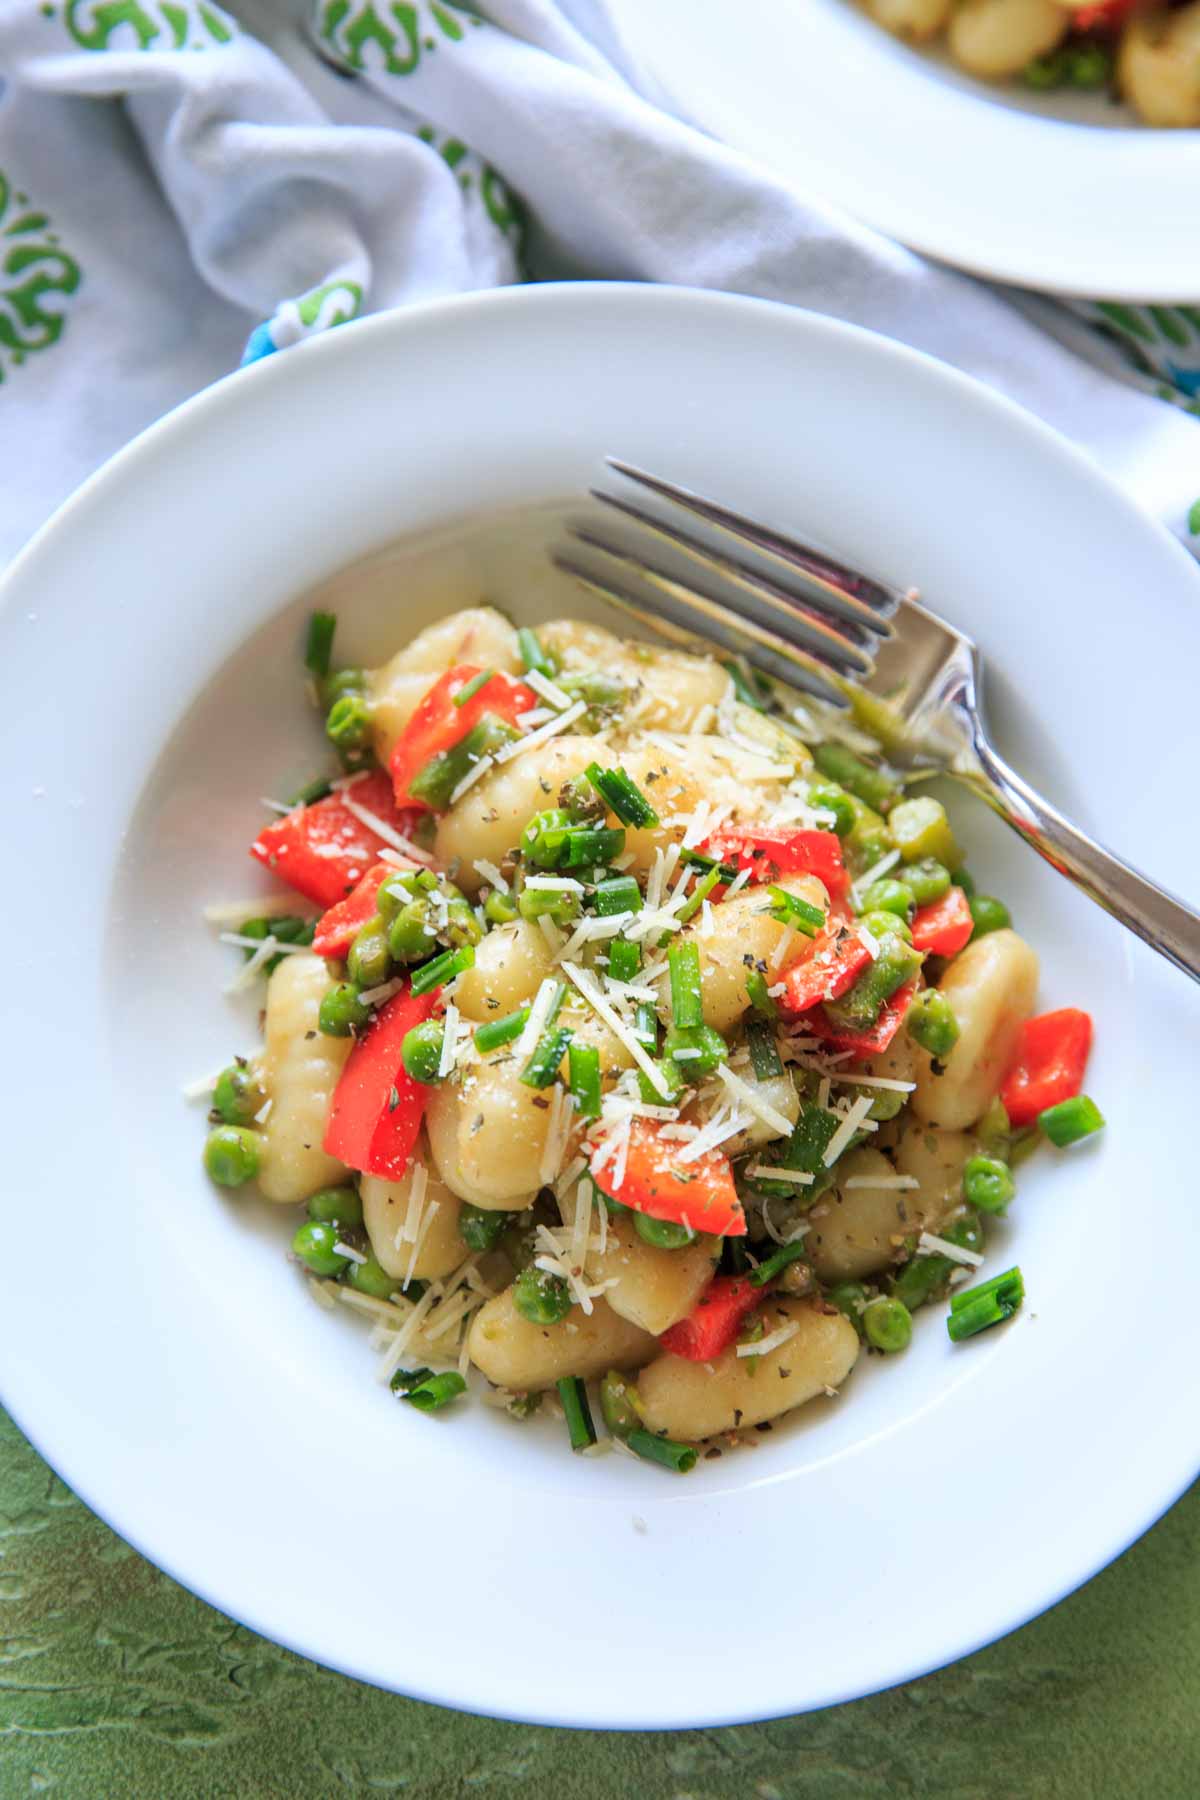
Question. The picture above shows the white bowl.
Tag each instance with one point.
(1058, 192)
(154, 1342)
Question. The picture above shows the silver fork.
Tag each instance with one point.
(855, 642)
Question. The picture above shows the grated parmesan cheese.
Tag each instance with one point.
(932, 1245)
(549, 690)
(585, 982)
(544, 732)
(491, 874)
(475, 773)
(771, 1342)
(853, 1121)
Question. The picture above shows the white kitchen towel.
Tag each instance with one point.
(184, 185)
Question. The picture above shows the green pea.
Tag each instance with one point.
(369, 961)
(479, 1227)
(461, 927)
(828, 797)
(342, 1012)
(930, 1022)
(313, 1244)
(882, 924)
(888, 1325)
(237, 1095)
(1046, 72)
(966, 881)
(989, 914)
(871, 785)
(336, 1206)
(541, 1298)
(399, 889)
(342, 681)
(411, 936)
(543, 841)
(695, 1050)
(928, 879)
(850, 1298)
(664, 1234)
(580, 800)
(421, 1051)
(372, 1278)
(500, 909)
(987, 1183)
(890, 896)
(348, 722)
(231, 1155)
(1088, 65)
(620, 1404)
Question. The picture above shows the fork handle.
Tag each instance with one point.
(1155, 916)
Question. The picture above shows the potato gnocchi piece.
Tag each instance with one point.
(385, 1211)
(669, 689)
(916, 20)
(488, 821)
(512, 1353)
(744, 928)
(1158, 66)
(778, 1091)
(479, 634)
(487, 1132)
(692, 1401)
(936, 1159)
(856, 1231)
(997, 38)
(510, 964)
(991, 985)
(299, 1070)
(654, 1288)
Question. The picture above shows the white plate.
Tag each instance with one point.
(1022, 188)
(153, 1341)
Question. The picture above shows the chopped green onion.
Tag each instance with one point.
(319, 648)
(776, 1263)
(622, 795)
(974, 1309)
(436, 1391)
(695, 1050)
(764, 1057)
(687, 1006)
(548, 1053)
(1071, 1120)
(592, 844)
(734, 1257)
(699, 860)
(645, 1028)
(435, 783)
(870, 785)
(789, 909)
(987, 1183)
(925, 1278)
(746, 681)
(533, 657)
(500, 909)
(699, 894)
(501, 1031)
(313, 791)
(680, 1457)
(573, 1394)
(443, 969)
(404, 1379)
(556, 1000)
(624, 959)
(621, 894)
(760, 999)
(583, 1064)
(470, 688)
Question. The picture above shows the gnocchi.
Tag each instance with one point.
(299, 1068)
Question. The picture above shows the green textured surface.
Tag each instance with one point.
(114, 1681)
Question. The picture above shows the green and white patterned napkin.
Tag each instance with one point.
(184, 186)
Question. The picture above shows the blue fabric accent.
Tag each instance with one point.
(260, 343)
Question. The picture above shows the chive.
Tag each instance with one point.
(319, 647)
(501, 1031)
(698, 896)
(556, 1000)
(622, 795)
(591, 844)
(436, 1391)
(680, 1457)
(760, 999)
(775, 1263)
(442, 969)
(437, 780)
(533, 657)
(799, 914)
(735, 1259)
(470, 688)
(404, 1379)
(645, 1028)
(621, 894)
(548, 1053)
(745, 683)
(1071, 1120)
(573, 1394)
(764, 1057)
(974, 1309)
(624, 959)
(698, 860)
(687, 1007)
(583, 1064)
(314, 791)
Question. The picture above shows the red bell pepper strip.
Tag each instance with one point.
(338, 928)
(866, 1043)
(1106, 15)
(770, 854)
(838, 959)
(1052, 1053)
(324, 849)
(376, 1112)
(699, 1194)
(944, 926)
(715, 1320)
(437, 724)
